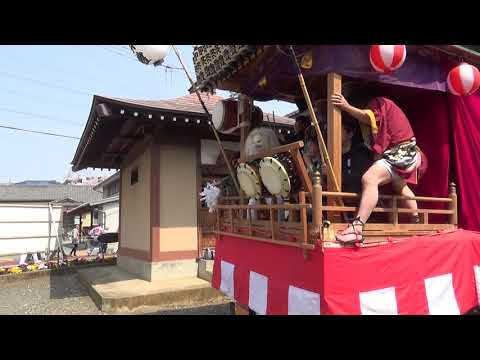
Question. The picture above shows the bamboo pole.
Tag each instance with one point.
(232, 174)
(321, 141)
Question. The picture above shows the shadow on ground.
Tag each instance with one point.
(63, 287)
(217, 309)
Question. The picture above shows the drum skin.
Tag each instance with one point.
(225, 117)
(260, 140)
(249, 180)
(279, 175)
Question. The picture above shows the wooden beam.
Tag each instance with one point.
(114, 153)
(334, 139)
(136, 151)
(125, 137)
(276, 150)
(302, 170)
(244, 115)
(103, 110)
(128, 126)
(271, 241)
(334, 124)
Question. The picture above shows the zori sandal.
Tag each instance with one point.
(352, 235)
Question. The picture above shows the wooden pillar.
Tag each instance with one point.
(334, 138)
(155, 201)
(303, 216)
(120, 211)
(453, 219)
(244, 114)
(317, 204)
(200, 217)
(395, 210)
(334, 124)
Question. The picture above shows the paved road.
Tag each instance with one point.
(65, 295)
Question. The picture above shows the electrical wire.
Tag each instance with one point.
(39, 98)
(130, 58)
(38, 116)
(38, 132)
(46, 83)
(116, 53)
(49, 65)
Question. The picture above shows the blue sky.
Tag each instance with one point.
(50, 88)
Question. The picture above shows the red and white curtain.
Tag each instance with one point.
(435, 275)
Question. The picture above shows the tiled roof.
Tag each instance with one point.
(191, 104)
(78, 193)
(187, 103)
(107, 181)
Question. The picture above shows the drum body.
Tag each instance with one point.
(249, 180)
(279, 174)
(225, 117)
(259, 140)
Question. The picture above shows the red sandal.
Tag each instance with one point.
(355, 236)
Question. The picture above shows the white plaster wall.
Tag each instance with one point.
(24, 228)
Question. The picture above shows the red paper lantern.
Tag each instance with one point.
(387, 58)
(463, 80)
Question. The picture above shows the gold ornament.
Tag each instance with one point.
(307, 61)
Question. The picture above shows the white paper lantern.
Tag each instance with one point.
(463, 80)
(387, 58)
(150, 54)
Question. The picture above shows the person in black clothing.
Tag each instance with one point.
(356, 157)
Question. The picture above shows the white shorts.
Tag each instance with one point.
(391, 170)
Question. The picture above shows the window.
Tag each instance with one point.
(134, 176)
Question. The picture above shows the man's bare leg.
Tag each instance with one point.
(375, 176)
(401, 188)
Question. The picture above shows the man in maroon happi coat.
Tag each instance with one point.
(387, 132)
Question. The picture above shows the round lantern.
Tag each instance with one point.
(463, 80)
(150, 54)
(387, 58)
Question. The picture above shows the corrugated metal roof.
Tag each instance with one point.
(78, 193)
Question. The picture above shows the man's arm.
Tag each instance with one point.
(361, 115)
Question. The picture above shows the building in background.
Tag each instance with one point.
(159, 148)
(103, 212)
(26, 223)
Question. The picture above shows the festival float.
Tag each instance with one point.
(287, 260)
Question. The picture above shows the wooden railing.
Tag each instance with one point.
(237, 219)
(207, 230)
(233, 218)
(380, 232)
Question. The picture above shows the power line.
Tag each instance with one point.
(162, 65)
(37, 116)
(39, 98)
(56, 68)
(39, 132)
(122, 49)
(117, 53)
(45, 83)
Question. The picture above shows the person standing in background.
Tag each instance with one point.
(75, 240)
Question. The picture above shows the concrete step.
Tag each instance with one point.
(116, 291)
(205, 269)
